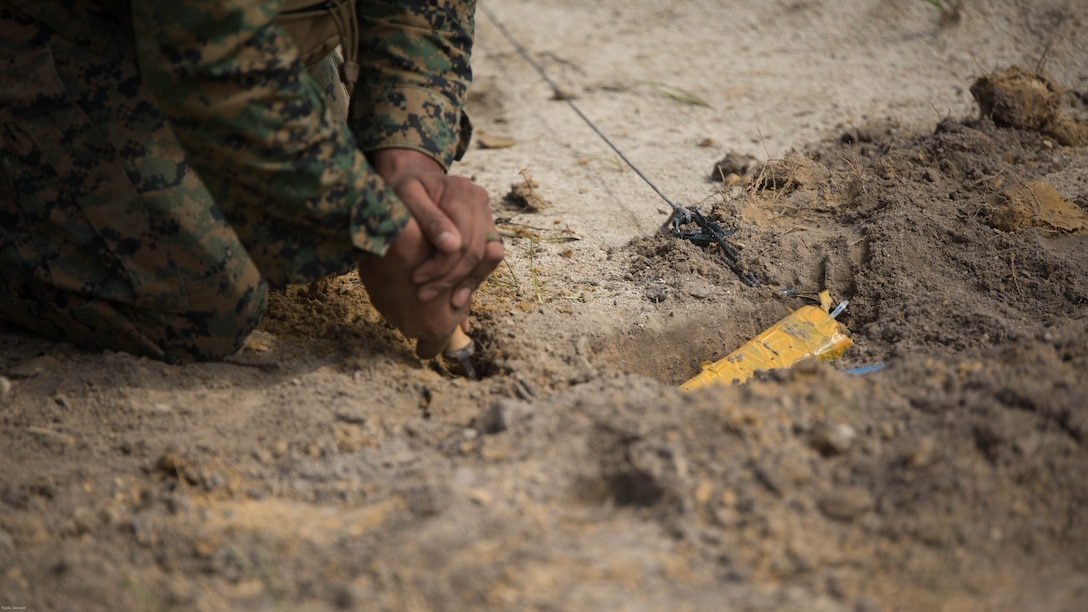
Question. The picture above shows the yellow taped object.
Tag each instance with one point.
(807, 332)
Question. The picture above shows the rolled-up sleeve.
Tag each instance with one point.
(414, 76)
(286, 173)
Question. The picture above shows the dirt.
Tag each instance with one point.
(940, 463)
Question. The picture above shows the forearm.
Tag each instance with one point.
(393, 164)
(414, 75)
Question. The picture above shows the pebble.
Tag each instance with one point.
(144, 531)
(887, 431)
(503, 414)
(846, 503)
(655, 294)
(479, 496)
(922, 453)
(83, 520)
(279, 448)
(833, 438)
(113, 515)
(698, 289)
(205, 547)
(262, 455)
(351, 415)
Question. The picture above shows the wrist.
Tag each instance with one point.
(392, 164)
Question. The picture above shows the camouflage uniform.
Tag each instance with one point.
(162, 162)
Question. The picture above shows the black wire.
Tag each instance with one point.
(709, 232)
(560, 95)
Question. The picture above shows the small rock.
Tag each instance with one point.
(846, 503)
(656, 294)
(833, 438)
(154, 409)
(7, 390)
(62, 400)
(279, 448)
(83, 520)
(732, 164)
(112, 515)
(262, 455)
(698, 289)
(887, 431)
(7, 543)
(172, 464)
(214, 481)
(354, 416)
(922, 453)
(205, 547)
(179, 504)
(503, 414)
(480, 497)
(769, 477)
(144, 532)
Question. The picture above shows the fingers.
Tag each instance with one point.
(494, 251)
(476, 269)
(387, 280)
(457, 272)
(437, 226)
(454, 216)
(466, 205)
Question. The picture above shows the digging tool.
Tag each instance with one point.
(458, 349)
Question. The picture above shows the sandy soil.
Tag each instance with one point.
(325, 467)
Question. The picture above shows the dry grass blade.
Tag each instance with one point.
(532, 271)
(677, 94)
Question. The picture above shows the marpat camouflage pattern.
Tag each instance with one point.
(162, 163)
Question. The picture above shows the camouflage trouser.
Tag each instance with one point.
(108, 239)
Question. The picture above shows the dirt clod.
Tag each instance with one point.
(846, 503)
(1019, 98)
(524, 195)
(1036, 204)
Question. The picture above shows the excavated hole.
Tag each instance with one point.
(673, 352)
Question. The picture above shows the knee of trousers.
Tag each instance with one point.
(224, 309)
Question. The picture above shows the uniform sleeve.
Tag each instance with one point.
(414, 75)
(285, 172)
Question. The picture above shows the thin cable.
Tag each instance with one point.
(566, 98)
(708, 233)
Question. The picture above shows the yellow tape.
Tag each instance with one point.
(807, 332)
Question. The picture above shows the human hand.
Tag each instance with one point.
(455, 217)
(388, 281)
